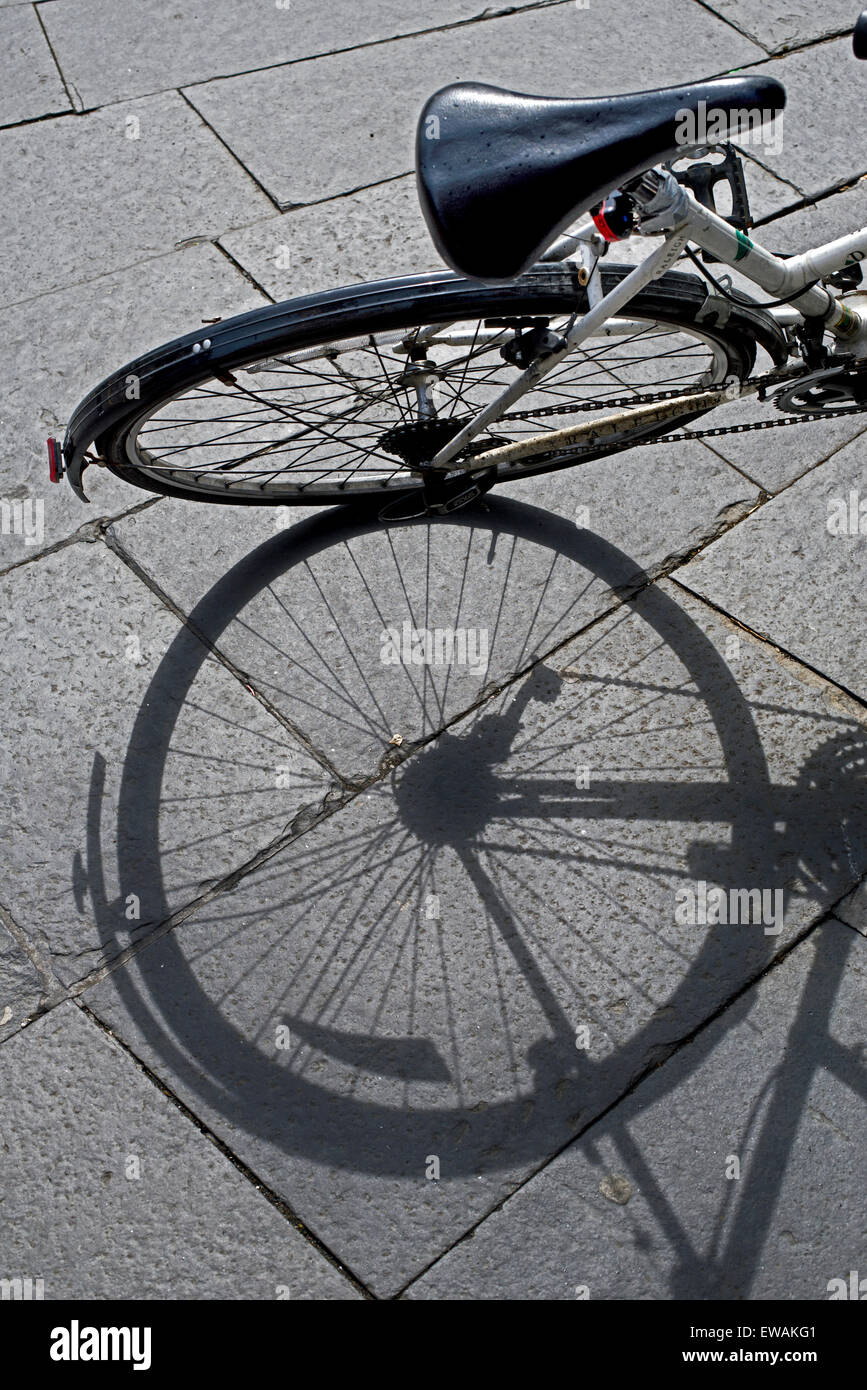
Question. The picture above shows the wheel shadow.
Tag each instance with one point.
(485, 816)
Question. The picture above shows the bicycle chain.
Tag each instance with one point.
(760, 383)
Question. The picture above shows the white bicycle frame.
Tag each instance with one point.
(675, 211)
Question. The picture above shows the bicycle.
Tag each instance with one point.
(425, 391)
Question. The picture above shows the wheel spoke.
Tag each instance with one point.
(342, 419)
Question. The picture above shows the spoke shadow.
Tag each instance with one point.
(550, 897)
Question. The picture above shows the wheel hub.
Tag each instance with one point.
(417, 443)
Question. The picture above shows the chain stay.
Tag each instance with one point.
(759, 384)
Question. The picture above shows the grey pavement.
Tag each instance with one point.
(141, 1201)
(812, 614)
(587, 1230)
(58, 346)
(318, 147)
(810, 125)
(32, 83)
(434, 958)
(326, 978)
(795, 26)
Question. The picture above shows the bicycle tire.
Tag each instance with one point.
(108, 418)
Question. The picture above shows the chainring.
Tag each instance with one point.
(829, 390)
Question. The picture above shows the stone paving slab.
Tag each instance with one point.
(87, 643)
(777, 457)
(853, 909)
(31, 83)
(473, 959)
(109, 1192)
(778, 27)
(308, 617)
(130, 182)
(319, 147)
(645, 1206)
(825, 220)
(371, 235)
(811, 605)
(59, 346)
(110, 52)
(21, 988)
(820, 144)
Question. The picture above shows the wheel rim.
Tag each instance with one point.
(355, 417)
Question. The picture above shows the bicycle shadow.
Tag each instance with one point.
(365, 1089)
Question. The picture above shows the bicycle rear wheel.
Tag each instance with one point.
(347, 395)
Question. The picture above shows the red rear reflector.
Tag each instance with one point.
(55, 461)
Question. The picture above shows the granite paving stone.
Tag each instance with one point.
(774, 458)
(32, 85)
(736, 1171)
(403, 1013)
(790, 25)
(811, 539)
(21, 987)
(816, 146)
(110, 52)
(108, 1192)
(370, 235)
(320, 146)
(853, 909)
(834, 216)
(132, 181)
(88, 644)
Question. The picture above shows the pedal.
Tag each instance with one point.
(436, 497)
(414, 505)
(703, 178)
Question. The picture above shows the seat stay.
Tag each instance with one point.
(690, 221)
(655, 264)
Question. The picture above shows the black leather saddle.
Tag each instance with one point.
(501, 174)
